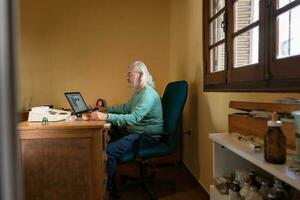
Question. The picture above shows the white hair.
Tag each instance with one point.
(141, 67)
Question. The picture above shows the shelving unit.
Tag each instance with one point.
(229, 154)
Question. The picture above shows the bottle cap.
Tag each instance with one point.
(272, 196)
(274, 122)
(253, 188)
(264, 182)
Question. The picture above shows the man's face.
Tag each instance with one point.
(133, 78)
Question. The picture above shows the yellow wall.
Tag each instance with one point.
(186, 57)
(86, 46)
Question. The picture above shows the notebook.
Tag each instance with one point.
(77, 103)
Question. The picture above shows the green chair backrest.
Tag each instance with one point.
(173, 102)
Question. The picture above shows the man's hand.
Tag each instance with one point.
(86, 116)
(96, 115)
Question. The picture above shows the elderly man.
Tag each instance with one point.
(142, 113)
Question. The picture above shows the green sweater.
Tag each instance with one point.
(142, 113)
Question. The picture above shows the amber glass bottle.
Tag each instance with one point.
(275, 142)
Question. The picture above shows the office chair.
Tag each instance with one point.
(173, 102)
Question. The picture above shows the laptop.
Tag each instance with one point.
(77, 103)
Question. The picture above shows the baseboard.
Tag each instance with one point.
(200, 184)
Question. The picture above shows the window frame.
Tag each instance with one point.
(290, 63)
(252, 72)
(217, 77)
(268, 75)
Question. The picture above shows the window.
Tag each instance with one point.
(252, 45)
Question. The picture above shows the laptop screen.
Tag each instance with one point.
(77, 103)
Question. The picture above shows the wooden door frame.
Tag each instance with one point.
(10, 182)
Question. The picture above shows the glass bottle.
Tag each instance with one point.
(236, 186)
(253, 194)
(281, 194)
(272, 196)
(279, 190)
(277, 184)
(252, 179)
(234, 190)
(222, 184)
(275, 142)
(244, 192)
(264, 189)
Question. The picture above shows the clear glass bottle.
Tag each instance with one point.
(264, 190)
(222, 184)
(244, 192)
(253, 194)
(279, 190)
(234, 190)
(252, 179)
(281, 193)
(275, 142)
(277, 184)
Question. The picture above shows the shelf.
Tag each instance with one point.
(242, 149)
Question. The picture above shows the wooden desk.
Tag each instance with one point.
(64, 160)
